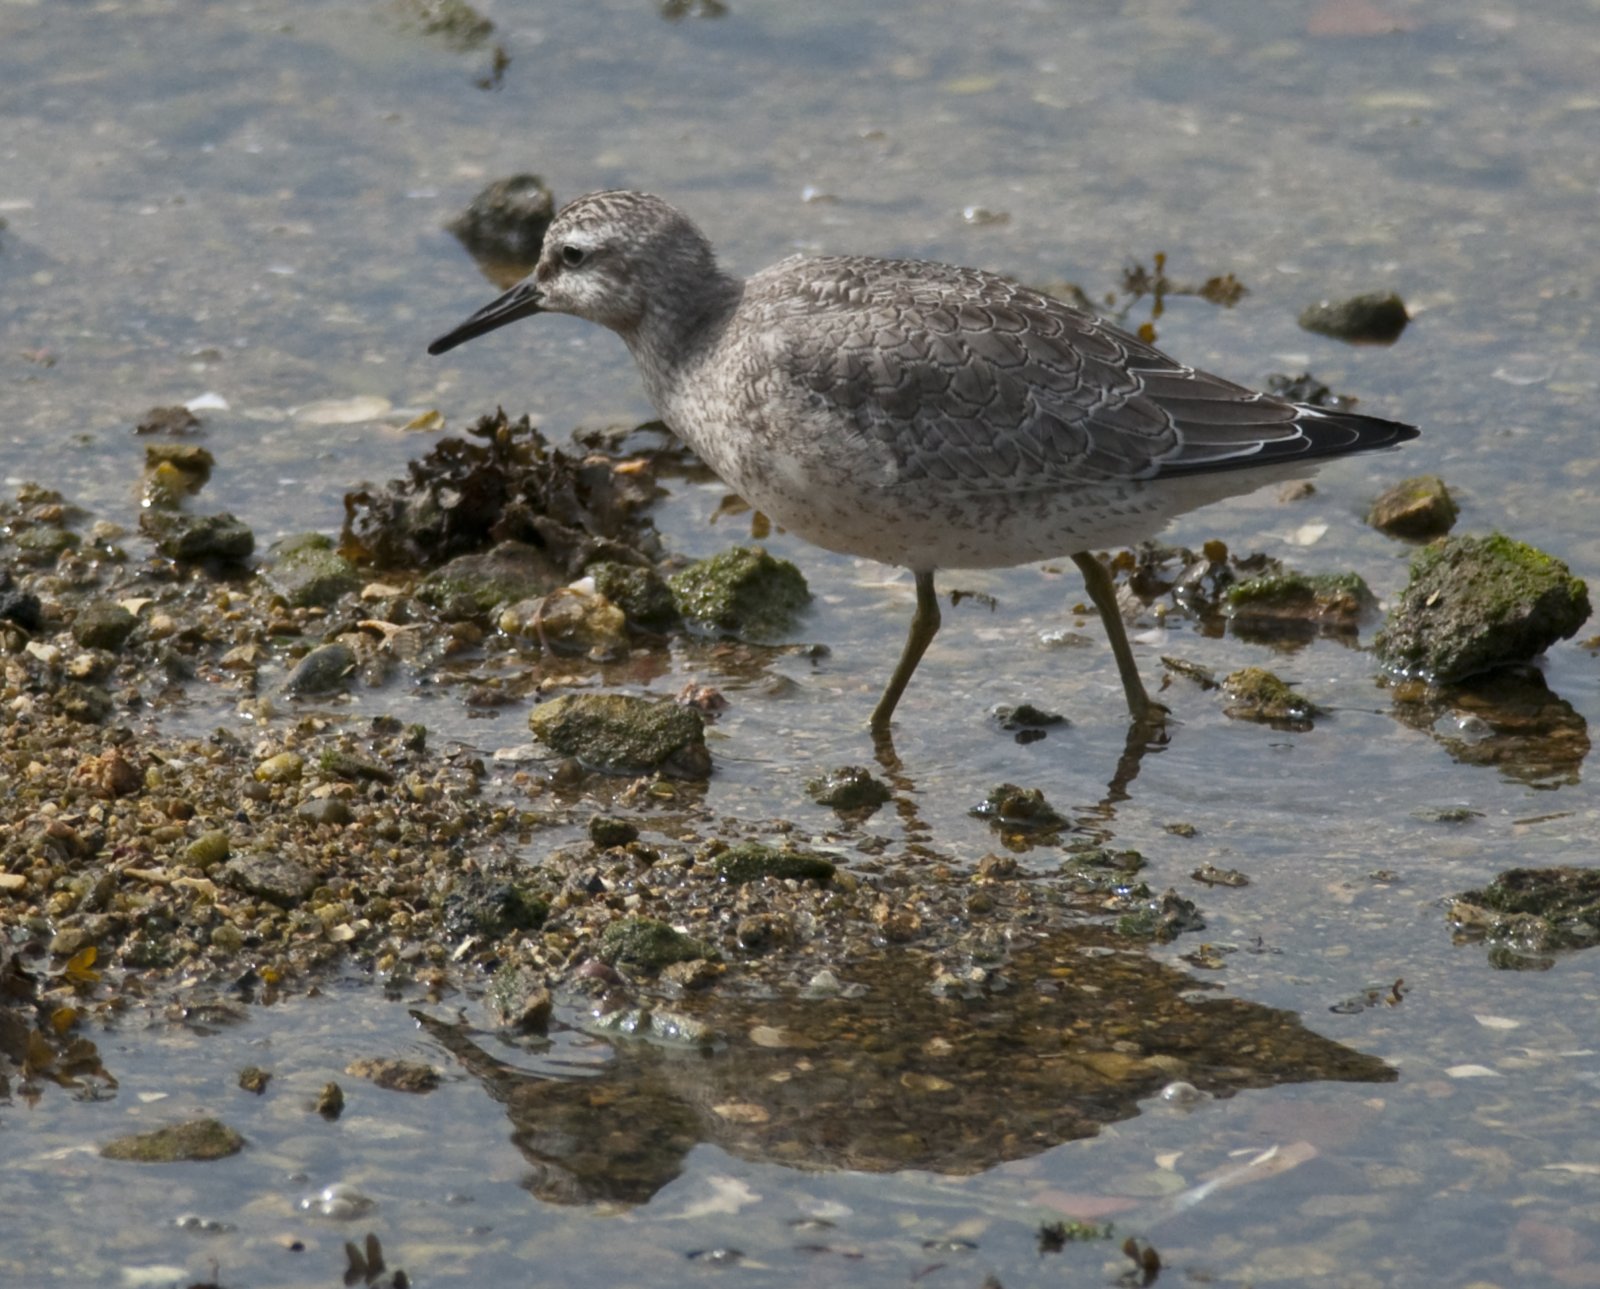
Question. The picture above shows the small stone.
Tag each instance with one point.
(1020, 810)
(285, 767)
(519, 999)
(103, 624)
(269, 877)
(254, 1079)
(207, 850)
(606, 831)
(42, 544)
(640, 592)
(477, 583)
(330, 1101)
(325, 670)
(1376, 318)
(570, 620)
(1325, 599)
(1258, 695)
(325, 810)
(1420, 508)
(1025, 716)
(173, 420)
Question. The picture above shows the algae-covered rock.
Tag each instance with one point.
(197, 537)
(641, 593)
(1376, 318)
(519, 999)
(622, 734)
(648, 945)
(489, 907)
(103, 624)
(1020, 810)
(1418, 508)
(850, 789)
(196, 1140)
(308, 572)
(750, 861)
(1162, 919)
(1325, 599)
(476, 583)
(1256, 694)
(1476, 603)
(745, 591)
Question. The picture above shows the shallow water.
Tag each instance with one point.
(246, 201)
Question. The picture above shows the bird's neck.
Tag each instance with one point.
(678, 329)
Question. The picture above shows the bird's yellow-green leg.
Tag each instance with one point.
(1144, 709)
(924, 626)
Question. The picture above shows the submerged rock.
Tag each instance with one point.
(1376, 318)
(850, 789)
(1477, 603)
(1017, 810)
(744, 591)
(1258, 695)
(1419, 508)
(196, 1140)
(622, 734)
(1528, 911)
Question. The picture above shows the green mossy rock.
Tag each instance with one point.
(744, 592)
(1477, 603)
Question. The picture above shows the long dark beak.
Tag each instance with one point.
(521, 301)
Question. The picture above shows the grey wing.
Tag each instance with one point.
(1014, 391)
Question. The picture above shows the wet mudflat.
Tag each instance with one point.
(983, 1014)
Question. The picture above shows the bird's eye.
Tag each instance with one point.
(572, 256)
